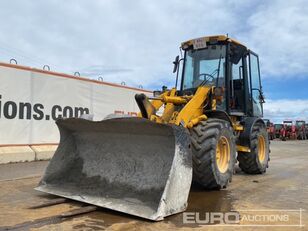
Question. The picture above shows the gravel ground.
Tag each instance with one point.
(284, 187)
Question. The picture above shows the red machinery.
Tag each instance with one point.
(301, 129)
(278, 128)
(288, 130)
(270, 129)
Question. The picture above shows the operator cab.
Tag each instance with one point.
(224, 63)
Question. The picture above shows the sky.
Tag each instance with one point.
(136, 41)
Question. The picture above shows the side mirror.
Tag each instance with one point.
(176, 63)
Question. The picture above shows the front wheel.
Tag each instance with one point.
(213, 152)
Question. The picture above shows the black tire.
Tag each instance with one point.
(205, 138)
(250, 162)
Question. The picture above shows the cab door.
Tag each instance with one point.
(256, 95)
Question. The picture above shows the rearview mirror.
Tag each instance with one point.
(176, 63)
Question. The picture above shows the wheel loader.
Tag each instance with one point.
(196, 131)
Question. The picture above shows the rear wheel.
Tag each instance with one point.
(256, 161)
(213, 149)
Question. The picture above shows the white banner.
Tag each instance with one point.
(31, 99)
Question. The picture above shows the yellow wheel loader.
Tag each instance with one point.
(144, 165)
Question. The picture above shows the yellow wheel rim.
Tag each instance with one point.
(223, 154)
(261, 148)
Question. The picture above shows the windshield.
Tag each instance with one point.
(204, 67)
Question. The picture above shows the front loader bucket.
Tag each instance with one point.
(131, 165)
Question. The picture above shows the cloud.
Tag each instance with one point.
(277, 30)
(279, 110)
(137, 42)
